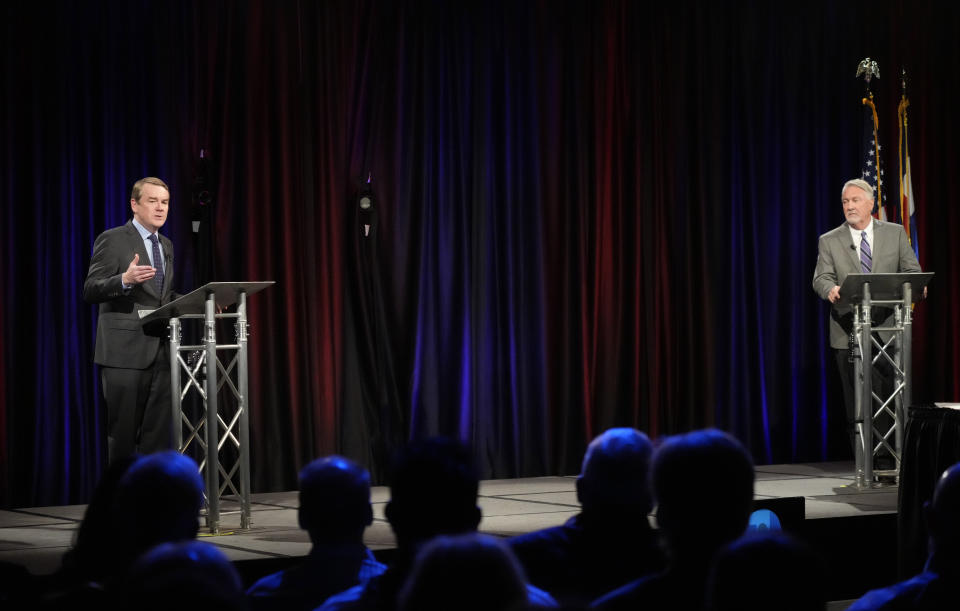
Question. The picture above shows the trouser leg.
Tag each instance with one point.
(122, 389)
(845, 367)
(155, 433)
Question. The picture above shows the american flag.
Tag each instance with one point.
(872, 169)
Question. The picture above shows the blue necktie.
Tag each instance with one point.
(866, 257)
(158, 263)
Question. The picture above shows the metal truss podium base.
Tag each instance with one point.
(217, 431)
(863, 292)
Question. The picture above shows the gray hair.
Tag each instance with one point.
(860, 184)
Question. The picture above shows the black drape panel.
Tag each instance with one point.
(931, 444)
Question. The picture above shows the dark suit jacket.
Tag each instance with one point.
(584, 559)
(674, 589)
(121, 340)
(837, 258)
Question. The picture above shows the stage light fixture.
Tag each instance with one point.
(366, 204)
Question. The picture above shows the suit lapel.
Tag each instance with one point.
(847, 240)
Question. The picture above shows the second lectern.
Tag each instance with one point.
(863, 293)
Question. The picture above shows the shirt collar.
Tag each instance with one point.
(856, 233)
(144, 234)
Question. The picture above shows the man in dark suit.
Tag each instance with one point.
(862, 244)
(131, 269)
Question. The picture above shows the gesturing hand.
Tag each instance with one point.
(137, 274)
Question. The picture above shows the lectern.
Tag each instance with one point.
(863, 292)
(205, 372)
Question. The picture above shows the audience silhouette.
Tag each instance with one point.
(19, 589)
(158, 500)
(90, 559)
(766, 570)
(610, 542)
(188, 575)
(433, 491)
(936, 587)
(334, 509)
(136, 547)
(703, 487)
(140, 502)
(470, 572)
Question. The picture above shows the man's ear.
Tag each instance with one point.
(368, 515)
(133, 204)
(580, 487)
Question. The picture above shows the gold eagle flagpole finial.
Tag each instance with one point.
(869, 69)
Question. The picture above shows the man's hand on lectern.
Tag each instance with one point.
(834, 295)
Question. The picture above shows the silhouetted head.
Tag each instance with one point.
(93, 548)
(703, 487)
(157, 501)
(768, 570)
(943, 520)
(433, 491)
(466, 572)
(183, 575)
(334, 500)
(614, 479)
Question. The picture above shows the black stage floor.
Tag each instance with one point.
(843, 523)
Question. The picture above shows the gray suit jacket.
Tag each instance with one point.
(121, 340)
(837, 257)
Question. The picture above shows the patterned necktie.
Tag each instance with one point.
(866, 257)
(158, 263)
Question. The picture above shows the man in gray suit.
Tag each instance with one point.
(132, 269)
(862, 244)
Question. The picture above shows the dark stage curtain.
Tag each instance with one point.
(587, 214)
(931, 445)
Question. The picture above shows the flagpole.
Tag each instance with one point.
(903, 146)
(870, 69)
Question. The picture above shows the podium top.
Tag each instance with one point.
(225, 294)
(884, 287)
